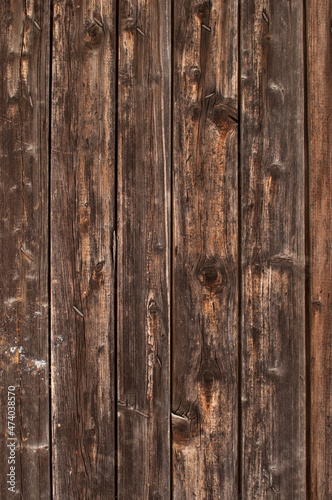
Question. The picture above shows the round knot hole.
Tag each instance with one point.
(95, 35)
(99, 267)
(210, 274)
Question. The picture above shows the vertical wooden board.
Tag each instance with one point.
(205, 256)
(24, 67)
(273, 253)
(82, 263)
(319, 14)
(143, 256)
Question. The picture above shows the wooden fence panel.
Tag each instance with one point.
(205, 254)
(24, 102)
(83, 200)
(273, 438)
(320, 258)
(143, 276)
(165, 234)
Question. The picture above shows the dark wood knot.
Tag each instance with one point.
(208, 379)
(195, 74)
(153, 308)
(95, 35)
(81, 480)
(185, 426)
(99, 267)
(203, 9)
(223, 114)
(210, 274)
(97, 276)
(196, 110)
(180, 430)
(207, 387)
(276, 171)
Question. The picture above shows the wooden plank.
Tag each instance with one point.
(320, 216)
(82, 264)
(205, 257)
(143, 256)
(24, 67)
(273, 250)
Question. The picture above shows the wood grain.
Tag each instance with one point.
(319, 14)
(178, 195)
(273, 250)
(205, 256)
(143, 249)
(82, 260)
(24, 67)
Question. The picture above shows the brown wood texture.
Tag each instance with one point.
(205, 255)
(143, 277)
(319, 14)
(83, 200)
(24, 67)
(165, 249)
(273, 440)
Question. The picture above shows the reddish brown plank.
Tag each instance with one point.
(24, 67)
(82, 263)
(319, 14)
(205, 289)
(143, 276)
(273, 250)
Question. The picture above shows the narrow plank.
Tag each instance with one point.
(205, 256)
(24, 305)
(319, 14)
(82, 263)
(273, 250)
(143, 256)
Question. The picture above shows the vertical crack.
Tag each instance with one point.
(239, 180)
(171, 248)
(51, 11)
(115, 235)
(307, 253)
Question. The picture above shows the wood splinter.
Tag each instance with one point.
(131, 408)
(37, 25)
(265, 16)
(140, 31)
(98, 23)
(78, 311)
(26, 254)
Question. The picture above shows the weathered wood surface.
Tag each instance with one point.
(24, 102)
(186, 212)
(273, 440)
(143, 277)
(83, 200)
(319, 15)
(205, 256)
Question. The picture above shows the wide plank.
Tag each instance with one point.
(83, 200)
(205, 250)
(273, 426)
(319, 70)
(143, 277)
(24, 304)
